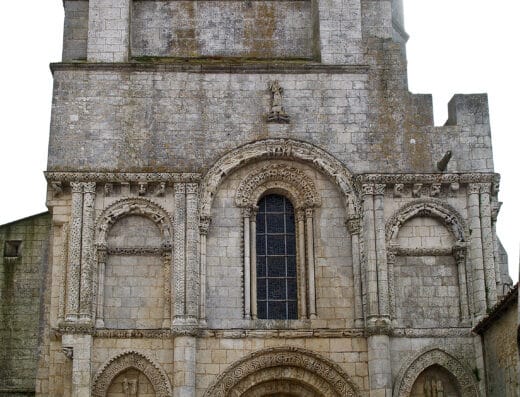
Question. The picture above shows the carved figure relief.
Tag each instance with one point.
(276, 112)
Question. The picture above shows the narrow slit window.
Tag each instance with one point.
(276, 259)
(13, 249)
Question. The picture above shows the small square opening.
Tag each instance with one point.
(13, 249)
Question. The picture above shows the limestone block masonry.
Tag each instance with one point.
(246, 200)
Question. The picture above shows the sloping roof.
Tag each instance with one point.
(496, 312)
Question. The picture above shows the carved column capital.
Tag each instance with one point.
(474, 188)
(89, 187)
(300, 215)
(179, 188)
(77, 187)
(192, 188)
(353, 225)
(367, 189)
(495, 210)
(459, 253)
(398, 190)
(379, 189)
(309, 212)
(246, 212)
(204, 224)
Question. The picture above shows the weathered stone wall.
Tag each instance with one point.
(259, 29)
(501, 354)
(75, 30)
(21, 282)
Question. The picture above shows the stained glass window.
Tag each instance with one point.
(276, 259)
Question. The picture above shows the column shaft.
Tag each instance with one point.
(300, 216)
(487, 244)
(87, 251)
(380, 236)
(252, 264)
(192, 256)
(479, 289)
(184, 366)
(179, 252)
(370, 250)
(247, 262)
(310, 262)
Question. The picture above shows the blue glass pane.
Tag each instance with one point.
(260, 223)
(275, 223)
(292, 310)
(260, 245)
(276, 288)
(291, 288)
(289, 223)
(274, 203)
(288, 206)
(261, 289)
(277, 310)
(261, 206)
(276, 266)
(262, 309)
(291, 266)
(260, 266)
(291, 245)
(275, 245)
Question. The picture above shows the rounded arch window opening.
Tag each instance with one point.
(276, 269)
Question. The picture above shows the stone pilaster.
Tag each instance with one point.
(184, 366)
(192, 255)
(300, 219)
(87, 252)
(78, 348)
(179, 252)
(379, 366)
(475, 253)
(246, 219)
(487, 244)
(459, 252)
(100, 311)
(74, 265)
(167, 273)
(252, 263)
(108, 31)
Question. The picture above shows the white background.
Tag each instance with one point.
(455, 46)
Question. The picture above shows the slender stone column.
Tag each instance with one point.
(184, 366)
(87, 254)
(73, 272)
(252, 263)
(167, 270)
(487, 244)
(192, 256)
(246, 218)
(204, 228)
(100, 310)
(354, 228)
(479, 288)
(370, 250)
(495, 209)
(459, 252)
(179, 252)
(391, 254)
(310, 261)
(382, 266)
(300, 218)
(64, 233)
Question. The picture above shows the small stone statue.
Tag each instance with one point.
(277, 113)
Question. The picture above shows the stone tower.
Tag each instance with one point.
(246, 200)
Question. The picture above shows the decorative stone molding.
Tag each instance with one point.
(134, 206)
(133, 333)
(435, 190)
(299, 364)
(417, 189)
(424, 251)
(284, 149)
(276, 111)
(120, 177)
(428, 179)
(131, 359)
(57, 188)
(435, 356)
(398, 190)
(278, 176)
(428, 208)
(135, 251)
(68, 351)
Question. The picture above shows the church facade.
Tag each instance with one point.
(246, 200)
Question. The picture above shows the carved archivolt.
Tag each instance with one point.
(285, 149)
(278, 176)
(133, 206)
(124, 361)
(289, 364)
(434, 356)
(427, 208)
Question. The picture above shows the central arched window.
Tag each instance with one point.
(276, 273)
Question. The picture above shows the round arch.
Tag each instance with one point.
(281, 149)
(134, 206)
(278, 177)
(290, 364)
(409, 373)
(130, 359)
(434, 208)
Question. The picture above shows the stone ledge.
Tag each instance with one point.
(196, 66)
(56, 176)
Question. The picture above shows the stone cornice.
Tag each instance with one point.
(484, 177)
(56, 176)
(214, 66)
(496, 311)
